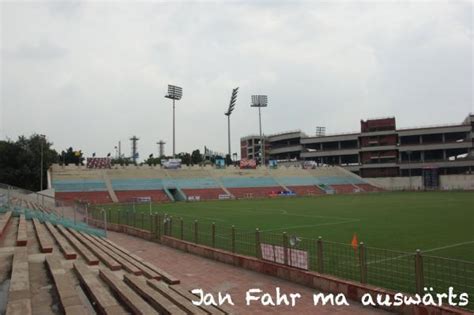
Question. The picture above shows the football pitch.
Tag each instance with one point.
(437, 223)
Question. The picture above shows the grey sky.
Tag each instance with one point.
(92, 73)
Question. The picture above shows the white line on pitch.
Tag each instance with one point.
(423, 251)
(310, 225)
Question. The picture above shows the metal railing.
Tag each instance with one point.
(406, 272)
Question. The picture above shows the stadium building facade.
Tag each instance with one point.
(378, 150)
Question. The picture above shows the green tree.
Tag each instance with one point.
(196, 157)
(20, 161)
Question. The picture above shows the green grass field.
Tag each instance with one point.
(392, 226)
(438, 223)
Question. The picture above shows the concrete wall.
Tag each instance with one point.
(447, 182)
(457, 182)
(396, 183)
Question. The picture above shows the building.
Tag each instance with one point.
(378, 150)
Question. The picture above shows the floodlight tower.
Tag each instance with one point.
(161, 144)
(260, 101)
(175, 93)
(229, 111)
(134, 140)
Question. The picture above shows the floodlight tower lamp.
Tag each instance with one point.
(233, 100)
(175, 93)
(260, 101)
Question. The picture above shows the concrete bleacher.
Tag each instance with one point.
(132, 182)
(101, 277)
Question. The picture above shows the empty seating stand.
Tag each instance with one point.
(134, 287)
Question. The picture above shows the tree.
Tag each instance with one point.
(228, 160)
(196, 157)
(20, 161)
(71, 156)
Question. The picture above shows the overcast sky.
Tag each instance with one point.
(88, 74)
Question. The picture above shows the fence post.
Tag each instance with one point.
(285, 247)
(233, 239)
(150, 220)
(362, 262)
(119, 216)
(195, 231)
(134, 218)
(419, 277)
(213, 234)
(182, 228)
(143, 220)
(319, 248)
(157, 226)
(171, 226)
(258, 249)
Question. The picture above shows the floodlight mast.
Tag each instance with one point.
(260, 101)
(175, 93)
(233, 99)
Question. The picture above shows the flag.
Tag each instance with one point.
(355, 242)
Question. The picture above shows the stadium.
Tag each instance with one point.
(308, 221)
(373, 221)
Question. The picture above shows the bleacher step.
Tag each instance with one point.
(179, 300)
(70, 301)
(67, 250)
(153, 297)
(22, 236)
(45, 242)
(102, 298)
(19, 296)
(106, 259)
(126, 294)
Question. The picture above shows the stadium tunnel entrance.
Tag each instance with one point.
(175, 194)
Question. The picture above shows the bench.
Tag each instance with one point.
(86, 253)
(19, 298)
(22, 236)
(67, 250)
(149, 273)
(125, 294)
(45, 242)
(125, 265)
(102, 298)
(170, 279)
(183, 303)
(153, 297)
(106, 259)
(4, 220)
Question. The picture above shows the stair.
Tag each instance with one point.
(110, 189)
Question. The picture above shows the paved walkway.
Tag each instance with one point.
(212, 276)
